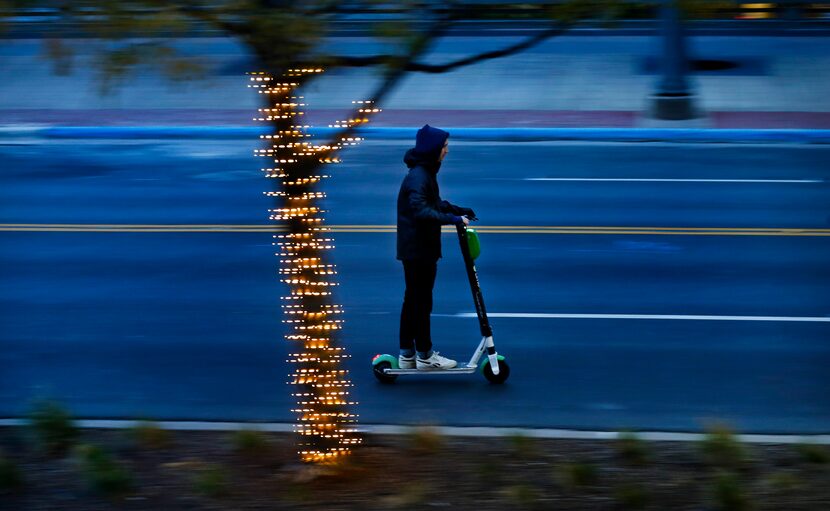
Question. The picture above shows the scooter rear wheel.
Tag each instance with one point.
(382, 377)
(504, 372)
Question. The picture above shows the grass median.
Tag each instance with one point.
(146, 467)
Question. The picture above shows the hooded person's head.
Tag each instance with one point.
(429, 143)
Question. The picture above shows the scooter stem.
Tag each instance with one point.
(475, 288)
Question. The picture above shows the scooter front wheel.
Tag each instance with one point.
(504, 372)
(379, 368)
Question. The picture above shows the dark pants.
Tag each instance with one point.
(417, 305)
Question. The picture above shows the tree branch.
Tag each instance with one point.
(205, 15)
(395, 74)
(329, 7)
(374, 60)
(503, 52)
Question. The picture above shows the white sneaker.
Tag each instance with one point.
(406, 362)
(436, 361)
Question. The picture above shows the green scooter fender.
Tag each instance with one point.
(485, 360)
(473, 243)
(393, 361)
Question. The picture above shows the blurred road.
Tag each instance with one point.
(174, 324)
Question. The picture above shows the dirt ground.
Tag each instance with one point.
(161, 470)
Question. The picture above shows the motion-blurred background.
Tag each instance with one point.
(654, 207)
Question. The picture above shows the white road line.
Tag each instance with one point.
(649, 180)
(452, 431)
(540, 315)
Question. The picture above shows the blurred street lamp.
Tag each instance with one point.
(673, 99)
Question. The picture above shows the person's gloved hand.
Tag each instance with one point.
(469, 213)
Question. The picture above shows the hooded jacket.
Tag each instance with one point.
(421, 212)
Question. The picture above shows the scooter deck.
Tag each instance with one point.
(464, 369)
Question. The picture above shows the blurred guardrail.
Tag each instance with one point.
(355, 18)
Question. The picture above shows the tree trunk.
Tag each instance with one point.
(325, 422)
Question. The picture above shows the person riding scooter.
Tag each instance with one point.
(421, 213)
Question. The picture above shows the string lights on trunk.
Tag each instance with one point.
(326, 424)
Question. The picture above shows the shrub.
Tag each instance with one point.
(631, 496)
(814, 453)
(578, 474)
(150, 435)
(101, 472)
(407, 497)
(54, 430)
(426, 441)
(783, 482)
(211, 481)
(489, 471)
(88, 455)
(631, 449)
(250, 442)
(720, 448)
(299, 492)
(522, 445)
(10, 477)
(523, 495)
(728, 494)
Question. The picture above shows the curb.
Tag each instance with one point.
(689, 135)
(450, 431)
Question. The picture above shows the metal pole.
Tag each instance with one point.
(674, 63)
(673, 99)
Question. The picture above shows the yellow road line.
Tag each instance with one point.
(489, 229)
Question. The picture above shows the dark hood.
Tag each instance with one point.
(414, 159)
(429, 142)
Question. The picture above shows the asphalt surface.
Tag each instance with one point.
(170, 324)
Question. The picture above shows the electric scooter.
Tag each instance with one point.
(493, 366)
